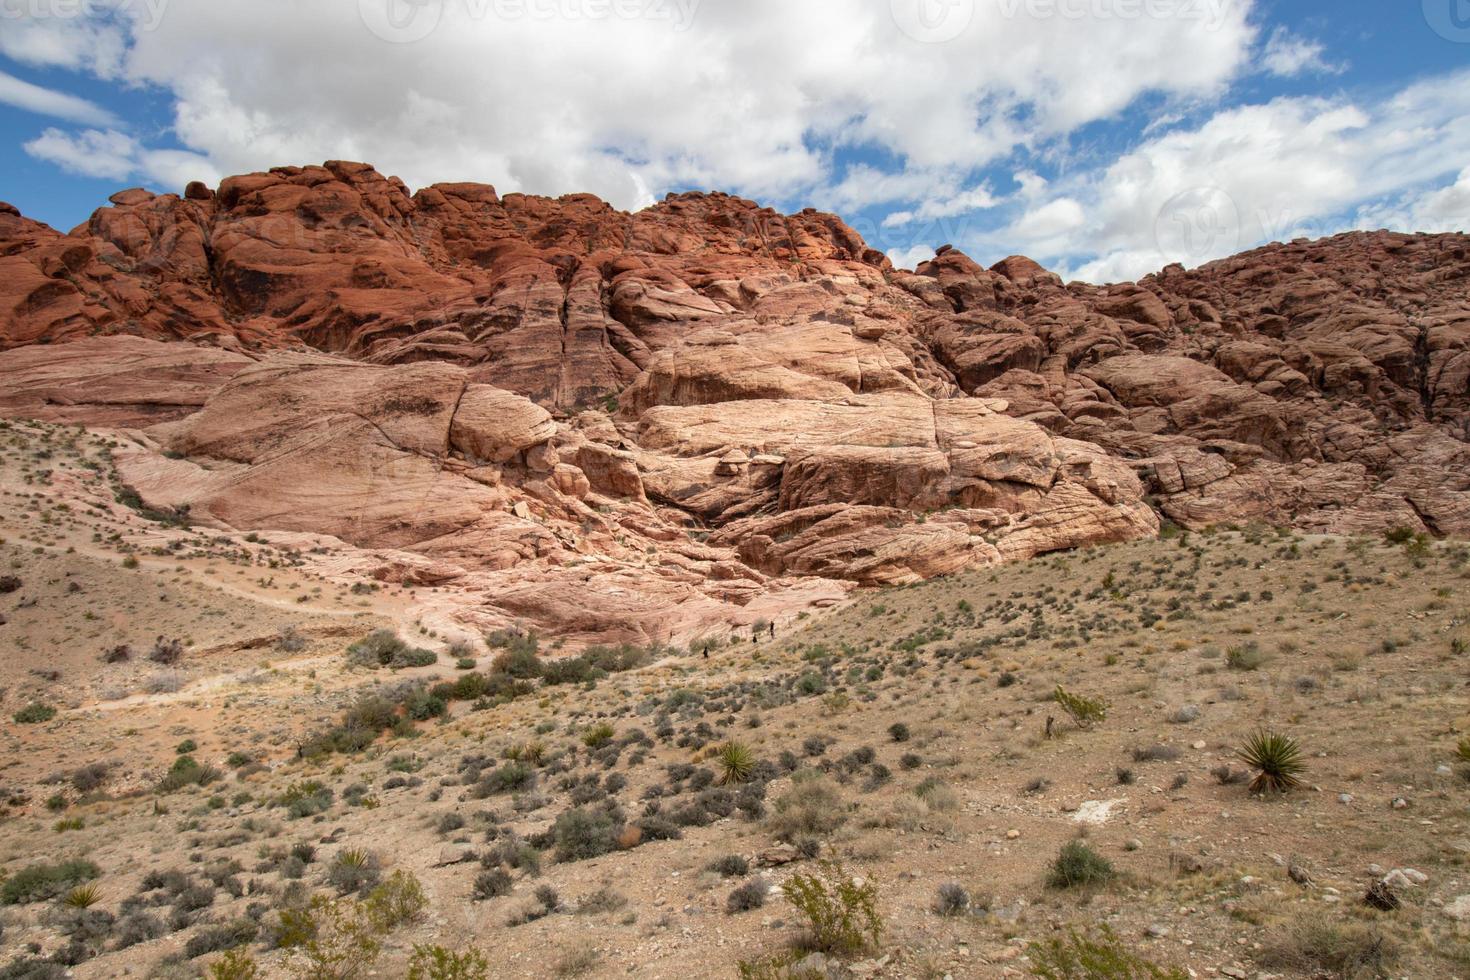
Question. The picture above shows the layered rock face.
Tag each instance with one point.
(653, 424)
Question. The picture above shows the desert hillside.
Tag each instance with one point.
(217, 754)
(455, 585)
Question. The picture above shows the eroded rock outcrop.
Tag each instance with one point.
(571, 415)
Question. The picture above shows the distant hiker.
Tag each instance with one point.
(773, 630)
(706, 651)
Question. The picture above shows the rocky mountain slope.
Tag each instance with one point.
(664, 424)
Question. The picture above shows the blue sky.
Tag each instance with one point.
(1103, 137)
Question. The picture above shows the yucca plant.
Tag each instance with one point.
(353, 857)
(1277, 760)
(1463, 750)
(736, 763)
(82, 897)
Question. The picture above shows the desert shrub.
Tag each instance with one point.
(581, 833)
(841, 915)
(1248, 656)
(236, 964)
(729, 866)
(598, 735)
(518, 654)
(1078, 865)
(38, 882)
(353, 869)
(1316, 946)
(1156, 753)
(438, 963)
(938, 794)
(1083, 710)
(601, 901)
(735, 762)
(212, 939)
(137, 927)
(492, 883)
(421, 705)
(187, 771)
(952, 899)
(384, 648)
(396, 902)
(746, 896)
(34, 714)
(570, 670)
(167, 652)
(337, 940)
(510, 777)
(811, 806)
(119, 654)
(1277, 760)
(29, 968)
(899, 732)
(290, 640)
(1099, 956)
(87, 778)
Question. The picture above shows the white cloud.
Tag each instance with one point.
(1438, 209)
(90, 153)
(1251, 174)
(114, 155)
(946, 206)
(1288, 55)
(909, 258)
(752, 96)
(48, 102)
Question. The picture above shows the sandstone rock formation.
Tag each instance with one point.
(661, 423)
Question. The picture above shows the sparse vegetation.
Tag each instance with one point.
(1276, 759)
(1077, 866)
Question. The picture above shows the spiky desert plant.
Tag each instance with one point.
(1463, 750)
(736, 763)
(82, 897)
(1277, 760)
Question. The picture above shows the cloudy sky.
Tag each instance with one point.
(1104, 138)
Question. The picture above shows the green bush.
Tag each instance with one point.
(581, 833)
(438, 963)
(1078, 865)
(396, 902)
(38, 882)
(1083, 710)
(234, 965)
(384, 648)
(841, 914)
(187, 771)
(1094, 957)
(34, 713)
(812, 806)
